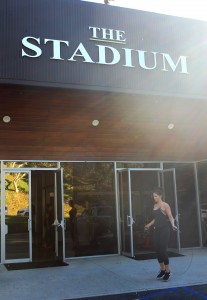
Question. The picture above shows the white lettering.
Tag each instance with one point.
(128, 57)
(182, 60)
(142, 61)
(30, 46)
(119, 35)
(102, 55)
(83, 53)
(107, 32)
(95, 36)
(56, 48)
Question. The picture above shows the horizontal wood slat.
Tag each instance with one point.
(55, 124)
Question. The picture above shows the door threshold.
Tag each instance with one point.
(35, 265)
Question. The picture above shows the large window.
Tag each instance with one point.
(91, 215)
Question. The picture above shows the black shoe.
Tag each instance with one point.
(161, 274)
(166, 277)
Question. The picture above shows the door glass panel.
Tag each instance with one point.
(42, 194)
(187, 203)
(124, 212)
(44, 208)
(93, 231)
(17, 221)
(142, 184)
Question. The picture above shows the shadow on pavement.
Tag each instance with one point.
(196, 292)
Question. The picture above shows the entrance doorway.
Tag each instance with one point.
(136, 205)
(33, 227)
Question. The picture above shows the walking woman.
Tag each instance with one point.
(162, 220)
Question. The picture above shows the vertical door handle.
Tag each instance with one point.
(6, 229)
(130, 221)
(29, 224)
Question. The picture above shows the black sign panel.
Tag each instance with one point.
(76, 44)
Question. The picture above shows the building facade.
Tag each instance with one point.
(99, 104)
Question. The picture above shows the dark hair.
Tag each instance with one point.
(71, 202)
(158, 191)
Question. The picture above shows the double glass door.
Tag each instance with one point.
(32, 215)
(136, 205)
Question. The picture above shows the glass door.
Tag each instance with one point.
(47, 214)
(16, 216)
(136, 206)
(168, 183)
(59, 225)
(142, 184)
(126, 219)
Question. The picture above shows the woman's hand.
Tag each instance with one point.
(174, 228)
(146, 227)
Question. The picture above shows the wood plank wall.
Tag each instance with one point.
(56, 124)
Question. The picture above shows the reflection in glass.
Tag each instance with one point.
(91, 226)
(142, 184)
(16, 218)
(169, 196)
(142, 165)
(28, 164)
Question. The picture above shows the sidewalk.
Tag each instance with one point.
(87, 277)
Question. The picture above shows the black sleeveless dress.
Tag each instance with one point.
(161, 219)
(161, 235)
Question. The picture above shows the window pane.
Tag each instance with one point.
(137, 165)
(91, 217)
(29, 164)
(17, 215)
